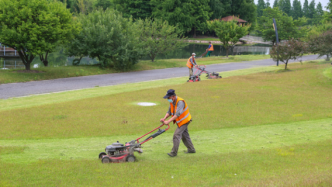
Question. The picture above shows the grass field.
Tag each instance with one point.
(268, 128)
(46, 73)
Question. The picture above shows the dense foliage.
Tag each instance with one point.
(158, 37)
(287, 27)
(229, 32)
(321, 44)
(34, 27)
(291, 49)
(109, 37)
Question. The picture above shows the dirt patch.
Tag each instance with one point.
(28, 71)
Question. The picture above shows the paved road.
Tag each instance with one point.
(65, 84)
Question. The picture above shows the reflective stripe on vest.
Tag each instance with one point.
(211, 48)
(189, 64)
(185, 117)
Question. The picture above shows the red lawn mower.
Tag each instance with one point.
(201, 69)
(118, 152)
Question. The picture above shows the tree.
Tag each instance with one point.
(285, 6)
(318, 16)
(245, 9)
(260, 7)
(82, 6)
(109, 37)
(34, 27)
(228, 32)
(158, 37)
(104, 4)
(328, 15)
(287, 27)
(219, 8)
(275, 4)
(321, 44)
(292, 49)
(312, 9)
(137, 9)
(189, 15)
(297, 9)
(268, 3)
(305, 9)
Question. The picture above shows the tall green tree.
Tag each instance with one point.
(275, 4)
(189, 15)
(109, 37)
(260, 7)
(287, 27)
(268, 3)
(104, 4)
(138, 9)
(285, 5)
(318, 16)
(34, 27)
(305, 9)
(328, 15)
(297, 9)
(219, 8)
(158, 37)
(312, 9)
(228, 32)
(246, 9)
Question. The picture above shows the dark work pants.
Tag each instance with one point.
(182, 133)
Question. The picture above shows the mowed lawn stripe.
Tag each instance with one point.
(207, 142)
(52, 98)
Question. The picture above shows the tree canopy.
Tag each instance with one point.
(34, 27)
(287, 27)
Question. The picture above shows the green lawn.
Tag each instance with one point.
(46, 73)
(267, 128)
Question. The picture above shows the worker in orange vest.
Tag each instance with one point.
(209, 49)
(191, 63)
(179, 111)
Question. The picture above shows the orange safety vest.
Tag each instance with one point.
(211, 48)
(185, 117)
(189, 64)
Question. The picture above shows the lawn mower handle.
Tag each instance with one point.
(160, 131)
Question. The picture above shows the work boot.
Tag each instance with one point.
(190, 151)
(171, 154)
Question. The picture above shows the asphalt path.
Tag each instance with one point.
(65, 84)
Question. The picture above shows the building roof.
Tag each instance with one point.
(231, 18)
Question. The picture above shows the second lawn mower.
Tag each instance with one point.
(118, 152)
(201, 69)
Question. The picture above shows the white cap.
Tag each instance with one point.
(193, 54)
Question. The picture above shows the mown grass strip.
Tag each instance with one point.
(207, 142)
(38, 100)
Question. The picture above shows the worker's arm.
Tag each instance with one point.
(179, 111)
(193, 62)
(166, 115)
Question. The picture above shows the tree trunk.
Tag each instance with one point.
(286, 64)
(327, 57)
(26, 59)
(194, 32)
(227, 52)
(44, 60)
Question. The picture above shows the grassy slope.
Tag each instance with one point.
(10, 76)
(263, 98)
(235, 145)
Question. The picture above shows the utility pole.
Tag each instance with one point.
(277, 38)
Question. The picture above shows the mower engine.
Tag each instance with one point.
(118, 152)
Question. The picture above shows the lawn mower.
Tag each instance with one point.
(118, 152)
(199, 71)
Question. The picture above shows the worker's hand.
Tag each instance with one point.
(167, 122)
(162, 120)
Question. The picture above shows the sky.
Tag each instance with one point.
(323, 2)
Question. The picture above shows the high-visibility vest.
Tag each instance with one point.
(211, 48)
(185, 117)
(189, 64)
